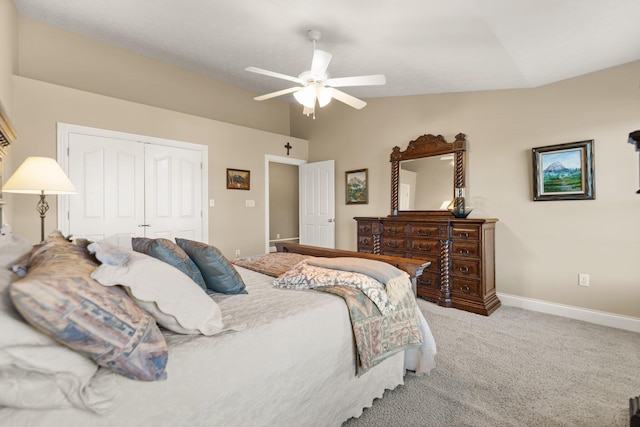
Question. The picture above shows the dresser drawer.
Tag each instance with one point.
(365, 228)
(394, 244)
(465, 267)
(465, 288)
(465, 232)
(424, 246)
(365, 242)
(429, 280)
(426, 230)
(428, 286)
(393, 229)
(465, 248)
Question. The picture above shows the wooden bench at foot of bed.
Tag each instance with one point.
(412, 266)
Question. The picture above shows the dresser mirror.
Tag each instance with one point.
(428, 175)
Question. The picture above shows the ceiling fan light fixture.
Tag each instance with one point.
(324, 95)
(306, 96)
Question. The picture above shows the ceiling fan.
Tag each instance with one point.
(315, 84)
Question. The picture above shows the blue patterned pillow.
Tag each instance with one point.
(58, 297)
(217, 271)
(167, 251)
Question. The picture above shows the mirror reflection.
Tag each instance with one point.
(426, 184)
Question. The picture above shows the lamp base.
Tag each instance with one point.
(42, 208)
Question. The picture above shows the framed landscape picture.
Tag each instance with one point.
(238, 179)
(357, 189)
(563, 172)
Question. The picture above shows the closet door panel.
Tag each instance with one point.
(109, 176)
(174, 206)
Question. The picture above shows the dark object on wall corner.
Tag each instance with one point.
(634, 412)
(634, 138)
(7, 132)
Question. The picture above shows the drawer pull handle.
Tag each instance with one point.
(394, 245)
(464, 235)
(464, 269)
(426, 248)
(365, 229)
(424, 232)
(365, 241)
(426, 282)
(465, 289)
(393, 231)
(464, 251)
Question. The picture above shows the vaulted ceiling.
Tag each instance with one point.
(422, 46)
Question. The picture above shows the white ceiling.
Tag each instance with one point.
(422, 46)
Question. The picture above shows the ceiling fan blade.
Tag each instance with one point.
(273, 74)
(278, 93)
(373, 80)
(351, 101)
(320, 62)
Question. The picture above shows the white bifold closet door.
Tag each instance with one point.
(128, 189)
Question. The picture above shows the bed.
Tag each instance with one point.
(280, 357)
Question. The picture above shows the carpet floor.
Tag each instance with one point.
(515, 368)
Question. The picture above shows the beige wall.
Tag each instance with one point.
(541, 246)
(8, 49)
(38, 106)
(67, 59)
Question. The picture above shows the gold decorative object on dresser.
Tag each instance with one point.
(461, 250)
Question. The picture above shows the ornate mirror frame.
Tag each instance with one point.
(429, 146)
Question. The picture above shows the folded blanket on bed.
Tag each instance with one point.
(393, 278)
(381, 327)
(378, 336)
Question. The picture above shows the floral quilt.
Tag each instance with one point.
(381, 327)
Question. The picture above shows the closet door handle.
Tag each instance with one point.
(144, 225)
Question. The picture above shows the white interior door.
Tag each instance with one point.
(109, 176)
(173, 206)
(317, 204)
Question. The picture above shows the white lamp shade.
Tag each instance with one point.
(39, 175)
(306, 96)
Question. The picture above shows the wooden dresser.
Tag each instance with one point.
(461, 251)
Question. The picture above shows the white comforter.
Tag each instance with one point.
(291, 364)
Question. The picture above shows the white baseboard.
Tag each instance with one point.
(598, 317)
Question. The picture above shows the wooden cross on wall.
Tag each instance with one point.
(288, 147)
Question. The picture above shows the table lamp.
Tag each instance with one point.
(40, 175)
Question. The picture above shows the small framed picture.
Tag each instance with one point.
(564, 172)
(357, 187)
(238, 179)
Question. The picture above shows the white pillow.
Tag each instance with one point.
(35, 371)
(169, 295)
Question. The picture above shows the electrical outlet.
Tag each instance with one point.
(583, 279)
(212, 203)
(237, 253)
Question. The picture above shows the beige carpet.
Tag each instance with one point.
(516, 368)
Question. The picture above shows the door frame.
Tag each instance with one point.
(63, 131)
(270, 158)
